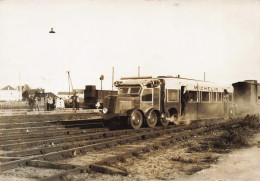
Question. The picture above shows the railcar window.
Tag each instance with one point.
(123, 90)
(205, 97)
(193, 96)
(173, 95)
(219, 97)
(134, 90)
(147, 95)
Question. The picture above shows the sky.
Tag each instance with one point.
(163, 37)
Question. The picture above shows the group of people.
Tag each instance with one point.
(60, 104)
(33, 103)
(48, 104)
(75, 102)
(53, 104)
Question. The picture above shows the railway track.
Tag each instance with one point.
(53, 150)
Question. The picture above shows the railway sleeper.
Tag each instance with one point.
(59, 155)
(46, 164)
(66, 176)
(154, 145)
(108, 169)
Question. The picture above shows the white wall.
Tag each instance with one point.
(10, 95)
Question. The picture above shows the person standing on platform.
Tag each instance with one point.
(53, 103)
(36, 103)
(73, 99)
(49, 103)
(62, 105)
(58, 104)
(31, 103)
(77, 102)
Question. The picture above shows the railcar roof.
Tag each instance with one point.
(177, 82)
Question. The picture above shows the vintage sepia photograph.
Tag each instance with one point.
(129, 90)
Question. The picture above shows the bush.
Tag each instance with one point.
(235, 136)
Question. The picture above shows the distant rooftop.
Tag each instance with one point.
(8, 88)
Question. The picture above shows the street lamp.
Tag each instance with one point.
(101, 78)
(52, 31)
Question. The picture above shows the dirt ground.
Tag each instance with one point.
(192, 159)
(180, 163)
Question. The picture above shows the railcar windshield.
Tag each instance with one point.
(129, 90)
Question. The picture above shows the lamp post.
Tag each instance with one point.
(112, 78)
(101, 78)
(52, 31)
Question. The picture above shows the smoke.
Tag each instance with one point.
(244, 107)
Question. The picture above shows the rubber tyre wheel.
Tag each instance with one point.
(231, 113)
(173, 117)
(135, 121)
(152, 119)
(164, 122)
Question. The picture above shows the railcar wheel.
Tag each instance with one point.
(164, 121)
(231, 113)
(152, 119)
(135, 120)
(172, 118)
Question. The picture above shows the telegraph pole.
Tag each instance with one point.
(138, 71)
(112, 78)
(101, 78)
(70, 82)
(20, 87)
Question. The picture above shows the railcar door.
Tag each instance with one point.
(150, 98)
(192, 105)
(146, 99)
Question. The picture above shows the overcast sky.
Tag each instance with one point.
(174, 37)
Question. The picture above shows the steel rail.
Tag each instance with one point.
(46, 134)
(65, 146)
(50, 141)
(40, 117)
(133, 153)
(81, 150)
(11, 129)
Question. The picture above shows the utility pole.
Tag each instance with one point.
(20, 87)
(101, 78)
(138, 71)
(204, 76)
(70, 82)
(112, 78)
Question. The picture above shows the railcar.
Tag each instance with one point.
(92, 96)
(151, 101)
(247, 97)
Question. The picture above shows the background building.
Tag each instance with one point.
(8, 93)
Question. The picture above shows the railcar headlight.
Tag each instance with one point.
(105, 110)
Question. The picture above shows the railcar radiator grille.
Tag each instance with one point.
(126, 105)
(106, 102)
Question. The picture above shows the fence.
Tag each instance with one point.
(14, 105)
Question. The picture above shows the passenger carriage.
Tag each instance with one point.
(151, 101)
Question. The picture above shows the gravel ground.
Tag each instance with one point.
(192, 159)
(242, 164)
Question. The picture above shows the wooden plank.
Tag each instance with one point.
(46, 164)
